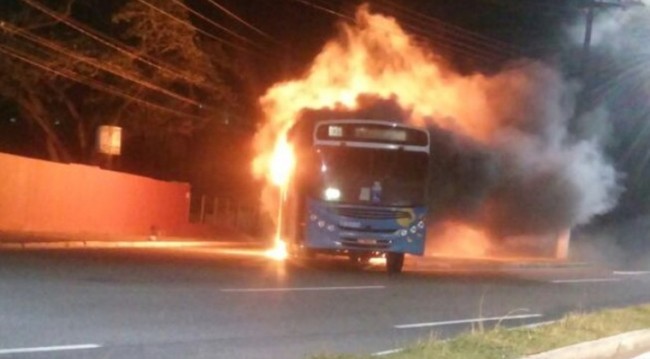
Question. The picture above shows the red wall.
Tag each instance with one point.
(41, 196)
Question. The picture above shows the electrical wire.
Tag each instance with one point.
(440, 41)
(326, 10)
(84, 80)
(213, 23)
(190, 26)
(124, 49)
(454, 30)
(51, 45)
(241, 20)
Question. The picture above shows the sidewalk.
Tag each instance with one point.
(631, 345)
(15, 240)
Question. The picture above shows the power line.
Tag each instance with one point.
(326, 10)
(456, 46)
(214, 23)
(51, 45)
(124, 49)
(190, 26)
(455, 33)
(441, 42)
(241, 20)
(84, 80)
(452, 29)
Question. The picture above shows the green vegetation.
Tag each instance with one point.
(506, 343)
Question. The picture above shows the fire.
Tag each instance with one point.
(279, 251)
(460, 241)
(281, 167)
(282, 163)
(374, 57)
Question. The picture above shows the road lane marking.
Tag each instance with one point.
(631, 272)
(585, 280)
(49, 349)
(387, 352)
(467, 321)
(299, 289)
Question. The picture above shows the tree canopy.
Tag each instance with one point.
(144, 65)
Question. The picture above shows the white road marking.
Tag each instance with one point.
(467, 321)
(631, 272)
(49, 349)
(387, 352)
(299, 289)
(586, 280)
(643, 356)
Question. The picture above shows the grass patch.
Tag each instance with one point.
(503, 343)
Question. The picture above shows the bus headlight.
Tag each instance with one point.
(321, 224)
(421, 224)
(331, 227)
(332, 194)
(413, 229)
(403, 232)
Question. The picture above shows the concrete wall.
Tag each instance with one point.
(41, 196)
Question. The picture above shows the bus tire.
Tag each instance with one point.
(394, 262)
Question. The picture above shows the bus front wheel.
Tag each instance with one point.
(394, 262)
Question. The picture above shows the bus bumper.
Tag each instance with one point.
(351, 228)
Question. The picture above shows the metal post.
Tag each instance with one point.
(202, 214)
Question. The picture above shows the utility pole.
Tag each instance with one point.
(591, 6)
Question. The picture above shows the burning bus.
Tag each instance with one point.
(509, 178)
(359, 191)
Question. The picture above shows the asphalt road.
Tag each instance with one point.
(228, 302)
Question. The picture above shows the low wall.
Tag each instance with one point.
(41, 196)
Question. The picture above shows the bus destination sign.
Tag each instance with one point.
(371, 133)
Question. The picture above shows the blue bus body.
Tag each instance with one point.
(365, 228)
(359, 190)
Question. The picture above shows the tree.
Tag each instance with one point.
(162, 82)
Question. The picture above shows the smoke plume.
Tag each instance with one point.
(503, 159)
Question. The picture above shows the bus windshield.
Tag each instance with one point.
(353, 171)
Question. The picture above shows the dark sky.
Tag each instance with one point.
(522, 28)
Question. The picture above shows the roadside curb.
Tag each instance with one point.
(609, 347)
(493, 265)
(534, 265)
(98, 244)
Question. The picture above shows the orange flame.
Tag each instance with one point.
(376, 57)
(282, 163)
(279, 251)
(281, 166)
(460, 241)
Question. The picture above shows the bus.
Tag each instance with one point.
(359, 189)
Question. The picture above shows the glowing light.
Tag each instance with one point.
(374, 57)
(282, 163)
(279, 251)
(460, 241)
(332, 194)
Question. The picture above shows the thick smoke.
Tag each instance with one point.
(503, 159)
(528, 179)
(618, 112)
